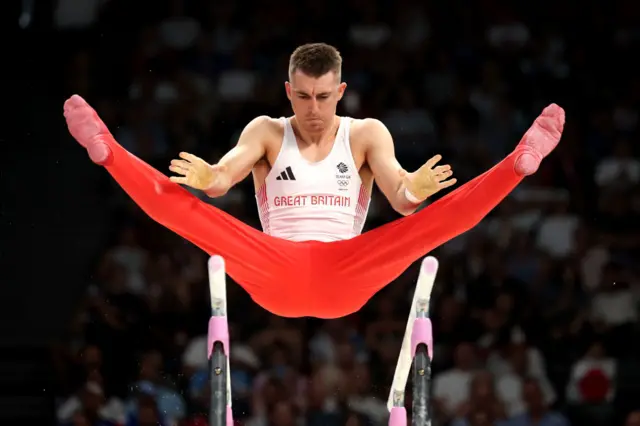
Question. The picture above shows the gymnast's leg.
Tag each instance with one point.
(169, 204)
(375, 258)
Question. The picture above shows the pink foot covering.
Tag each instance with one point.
(88, 129)
(541, 138)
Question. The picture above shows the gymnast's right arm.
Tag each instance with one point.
(217, 179)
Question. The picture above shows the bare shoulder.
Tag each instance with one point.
(265, 125)
(264, 130)
(368, 131)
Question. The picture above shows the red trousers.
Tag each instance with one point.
(296, 279)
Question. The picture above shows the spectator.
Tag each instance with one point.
(90, 405)
(556, 235)
(537, 411)
(482, 399)
(510, 384)
(129, 254)
(150, 386)
(619, 170)
(146, 413)
(593, 377)
(451, 388)
(362, 399)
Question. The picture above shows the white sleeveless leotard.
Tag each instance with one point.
(321, 201)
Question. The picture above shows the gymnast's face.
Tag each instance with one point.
(314, 100)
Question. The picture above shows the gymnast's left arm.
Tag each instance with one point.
(405, 191)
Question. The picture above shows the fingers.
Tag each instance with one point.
(444, 175)
(402, 172)
(178, 179)
(179, 170)
(447, 183)
(433, 161)
(437, 173)
(180, 167)
(190, 157)
(441, 169)
(182, 164)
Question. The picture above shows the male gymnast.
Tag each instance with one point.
(313, 174)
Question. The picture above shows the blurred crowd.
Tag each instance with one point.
(535, 311)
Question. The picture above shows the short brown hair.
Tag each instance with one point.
(315, 60)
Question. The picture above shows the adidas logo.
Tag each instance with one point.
(342, 168)
(287, 174)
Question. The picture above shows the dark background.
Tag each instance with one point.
(114, 300)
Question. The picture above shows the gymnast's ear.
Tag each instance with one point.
(287, 88)
(341, 88)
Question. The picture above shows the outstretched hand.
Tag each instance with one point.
(428, 179)
(198, 174)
